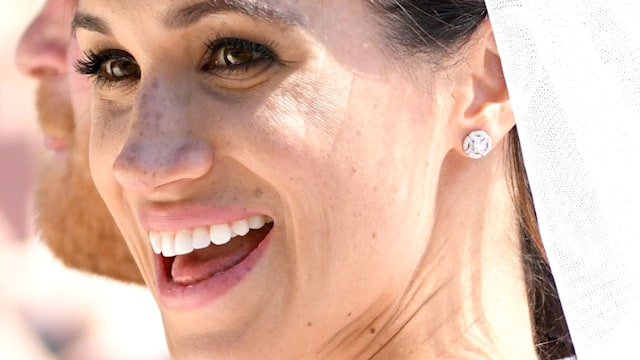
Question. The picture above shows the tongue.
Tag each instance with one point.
(205, 263)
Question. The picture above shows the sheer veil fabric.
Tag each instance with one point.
(572, 68)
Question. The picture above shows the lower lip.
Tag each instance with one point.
(191, 297)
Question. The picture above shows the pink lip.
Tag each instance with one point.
(156, 218)
(179, 297)
(55, 144)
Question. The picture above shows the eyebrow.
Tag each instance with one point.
(191, 14)
(89, 22)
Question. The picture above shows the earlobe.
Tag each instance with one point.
(487, 107)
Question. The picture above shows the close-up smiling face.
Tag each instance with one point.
(277, 170)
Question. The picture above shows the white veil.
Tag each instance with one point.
(572, 68)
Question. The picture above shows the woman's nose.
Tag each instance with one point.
(146, 164)
(162, 148)
(42, 50)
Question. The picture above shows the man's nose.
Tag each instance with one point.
(42, 50)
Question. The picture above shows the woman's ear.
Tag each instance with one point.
(481, 100)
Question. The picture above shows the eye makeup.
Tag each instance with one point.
(228, 58)
(108, 67)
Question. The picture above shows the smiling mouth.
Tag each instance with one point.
(191, 256)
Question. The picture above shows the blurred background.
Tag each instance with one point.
(47, 311)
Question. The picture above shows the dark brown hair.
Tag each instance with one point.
(440, 28)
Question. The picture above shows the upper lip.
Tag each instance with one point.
(174, 218)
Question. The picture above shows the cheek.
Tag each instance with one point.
(352, 158)
(108, 134)
(305, 115)
(107, 138)
(339, 135)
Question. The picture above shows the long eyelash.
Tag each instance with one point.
(89, 65)
(220, 42)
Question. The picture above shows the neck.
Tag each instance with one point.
(470, 296)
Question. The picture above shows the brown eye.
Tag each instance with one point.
(119, 69)
(109, 67)
(231, 54)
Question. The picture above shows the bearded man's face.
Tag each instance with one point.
(71, 217)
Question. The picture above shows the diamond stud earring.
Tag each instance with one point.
(477, 144)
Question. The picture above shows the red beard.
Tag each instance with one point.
(71, 217)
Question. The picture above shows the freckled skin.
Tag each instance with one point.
(294, 139)
(351, 151)
(258, 193)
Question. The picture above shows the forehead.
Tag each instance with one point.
(329, 21)
(346, 29)
(174, 13)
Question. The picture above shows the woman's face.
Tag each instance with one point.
(292, 115)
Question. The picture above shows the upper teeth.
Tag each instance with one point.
(185, 241)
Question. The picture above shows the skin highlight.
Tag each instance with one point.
(357, 182)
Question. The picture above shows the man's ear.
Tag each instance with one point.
(481, 100)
